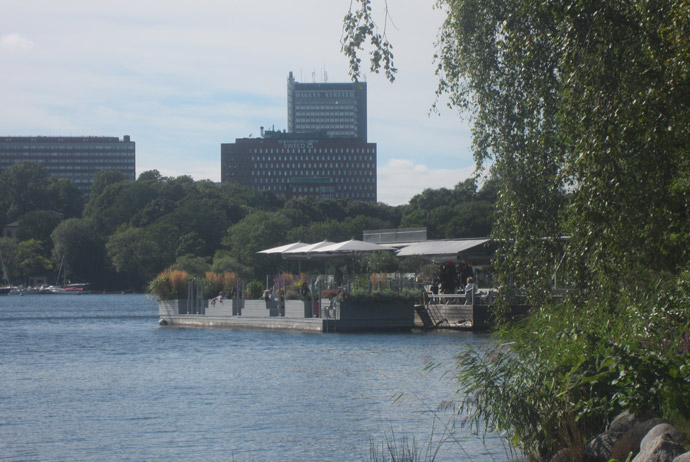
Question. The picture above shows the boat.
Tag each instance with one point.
(5, 290)
(68, 289)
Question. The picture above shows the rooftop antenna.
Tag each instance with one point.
(313, 76)
(325, 76)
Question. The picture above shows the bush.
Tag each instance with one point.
(561, 374)
(173, 284)
(383, 297)
(254, 290)
(170, 285)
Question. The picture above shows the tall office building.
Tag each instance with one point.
(76, 158)
(338, 108)
(295, 165)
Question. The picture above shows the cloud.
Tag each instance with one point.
(401, 179)
(16, 42)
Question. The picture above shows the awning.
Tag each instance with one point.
(353, 246)
(441, 247)
(284, 248)
(306, 252)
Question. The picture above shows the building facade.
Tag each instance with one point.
(76, 158)
(302, 165)
(338, 108)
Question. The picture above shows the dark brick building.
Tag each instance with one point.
(297, 165)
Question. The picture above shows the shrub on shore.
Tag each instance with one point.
(173, 284)
(558, 377)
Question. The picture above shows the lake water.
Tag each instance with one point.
(93, 377)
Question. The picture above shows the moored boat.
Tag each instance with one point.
(69, 289)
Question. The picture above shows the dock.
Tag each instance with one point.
(320, 316)
(456, 311)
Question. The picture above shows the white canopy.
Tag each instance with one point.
(441, 247)
(306, 252)
(284, 248)
(353, 246)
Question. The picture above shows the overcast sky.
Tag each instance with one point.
(182, 77)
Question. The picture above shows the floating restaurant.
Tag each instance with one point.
(318, 304)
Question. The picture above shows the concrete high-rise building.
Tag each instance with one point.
(76, 158)
(338, 108)
(295, 165)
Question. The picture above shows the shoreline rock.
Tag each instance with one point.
(643, 439)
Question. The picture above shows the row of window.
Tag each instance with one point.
(88, 161)
(347, 165)
(281, 187)
(335, 122)
(85, 153)
(312, 158)
(68, 147)
(299, 108)
(348, 179)
(87, 175)
(309, 151)
(326, 94)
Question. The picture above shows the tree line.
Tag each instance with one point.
(583, 109)
(127, 232)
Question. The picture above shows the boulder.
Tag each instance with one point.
(683, 458)
(661, 449)
(662, 428)
(630, 441)
(600, 447)
(564, 455)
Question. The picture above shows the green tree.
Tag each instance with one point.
(104, 178)
(583, 110)
(38, 225)
(118, 203)
(258, 231)
(32, 262)
(134, 256)
(383, 262)
(23, 188)
(79, 251)
(192, 264)
(8, 252)
(151, 176)
(65, 197)
(190, 243)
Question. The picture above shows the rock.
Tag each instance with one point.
(599, 448)
(623, 422)
(630, 441)
(683, 458)
(662, 428)
(563, 455)
(661, 449)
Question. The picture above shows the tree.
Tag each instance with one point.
(134, 256)
(193, 265)
(23, 188)
(190, 243)
(583, 109)
(103, 178)
(65, 197)
(32, 262)
(258, 231)
(119, 203)
(8, 252)
(38, 224)
(79, 252)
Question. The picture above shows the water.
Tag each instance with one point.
(93, 377)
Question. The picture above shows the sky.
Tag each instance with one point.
(182, 77)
